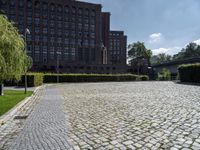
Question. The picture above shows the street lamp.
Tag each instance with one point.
(25, 74)
(57, 66)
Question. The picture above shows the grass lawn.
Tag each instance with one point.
(11, 98)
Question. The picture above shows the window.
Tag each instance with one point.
(37, 21)
(73, 25)
(87, 12)
(44, 6)
(29, 3)
(29, 49)
(29, 13)
(29, 37)
(80, 11)
(21, 3)
(59, 8)
(45, 30)
(73, 10)
(52, 7)
(37, 30)
(66, 41)
(66, 9)
(92, 35)
(44, 38)
(12, 3)
(44, 14)
(37, 5)
(37, 38)
(73, 34)
(45, 22)
(66, 25)
(93, 13)
(72, 42)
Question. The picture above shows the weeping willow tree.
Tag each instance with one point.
(13, 60)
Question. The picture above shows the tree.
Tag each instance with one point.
(138, 50)
(160, 58)
(13, 59)
(191, 50)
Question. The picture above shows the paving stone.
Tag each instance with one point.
(129, 115)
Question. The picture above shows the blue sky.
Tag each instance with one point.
(164, 25)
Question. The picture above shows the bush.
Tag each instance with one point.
(33, 79)
(143, 78)
(164, 75)
(52, 78)
(189, 73)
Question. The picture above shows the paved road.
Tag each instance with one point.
(134, 115)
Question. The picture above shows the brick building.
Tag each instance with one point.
(71, 35)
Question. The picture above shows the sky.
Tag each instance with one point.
(163, 25)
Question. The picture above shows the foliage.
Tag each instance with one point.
(189, 73)
(160, 58)
(13, 59)
(11, 98)
(138, 50)
(143, 78)
(164, 75)
(52, 78)
(191, 50)
(33, 79)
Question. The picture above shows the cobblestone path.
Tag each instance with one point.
(134, 115)
(45, 129)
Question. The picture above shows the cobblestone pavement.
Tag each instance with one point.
(134, 115)
(45, 129)
(10, 127)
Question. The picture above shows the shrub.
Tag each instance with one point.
(164, 75)
(189, 73)
(33, 79)
(52, 78)
(143, 78)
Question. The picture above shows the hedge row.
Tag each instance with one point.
(189, 73)
(37, 79)
(52, 78)
(33, 79)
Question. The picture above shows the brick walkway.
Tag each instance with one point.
(45, 129)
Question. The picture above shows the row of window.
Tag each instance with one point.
(52, 7)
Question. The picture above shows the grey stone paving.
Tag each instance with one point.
(119, 116)
(45, 129)
(134, 115)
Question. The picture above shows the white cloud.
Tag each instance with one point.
(197, 42)
(170, 51)
(155, 38)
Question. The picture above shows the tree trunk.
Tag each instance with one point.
(1, 89)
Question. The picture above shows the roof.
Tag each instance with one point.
(179, 62)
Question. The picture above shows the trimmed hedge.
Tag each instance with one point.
(52, 78)
(37, 79)
(33, 79)
(143, 78)
(189, 73)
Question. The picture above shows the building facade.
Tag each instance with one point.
(66, 35)
(117, 47)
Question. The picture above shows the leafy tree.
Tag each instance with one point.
(160, 58)
(138, 50)
(13, 59)
(191, 50)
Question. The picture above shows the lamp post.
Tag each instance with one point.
(25, 74)
(57, 65)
